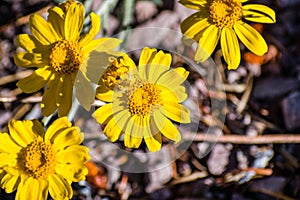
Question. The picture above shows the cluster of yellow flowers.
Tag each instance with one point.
(141, 99)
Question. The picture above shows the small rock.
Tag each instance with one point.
(291, 111)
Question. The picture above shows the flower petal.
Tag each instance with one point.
(171, 78)
(112, 130)
(159, 64)
(85, 93)
(166, 127)
(41, 30)
(56, 20)
(177, 112)
(64, 95)
(59, 188)
(207, 43)
(146, 56)
(192, 26)
(48, 104)
(24, 132)
(153, 142)
(251, 38)
(10, 182)
(35, 81)
(28, 60)
(27, 42)
(74, 21)
(103, 113)
(32, 189)
(70, 163)
(56, 128)
(193, 4)
(69, 136)
(259, 13)
(103, 93)
(90, 35)
(7, 145)
(230, 48)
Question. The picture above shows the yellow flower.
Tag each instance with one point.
(35, 163)
(59, 51)
(144, 100)
(112, 74)
(223, 19)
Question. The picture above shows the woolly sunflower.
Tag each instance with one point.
(59, 51)
(143, 102)
(223, 19)
(35, 163)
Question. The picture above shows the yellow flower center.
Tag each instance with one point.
(66, 57)
(144, 99)
(114, 72)
(224, 13)
(37, 160)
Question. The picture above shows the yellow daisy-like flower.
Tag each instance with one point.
(223, 19)
(59, 51)
(34, 162)
(143, 102)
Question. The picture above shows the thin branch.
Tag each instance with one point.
(243, 139)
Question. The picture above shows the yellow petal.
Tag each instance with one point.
(259, 13)
(7, 144)
(10, 182)
(69, 136)
(160, 63)
(8, 159)
(230, 48)
(166, 127)
(153, 142)
(177, 112)
(24, 132)
(56, 128)
(171, 79)
(56, 20)
(104, 94)
(74, 172)
(35, 81)
(193, 4)
(74, 21)
(27, 42)
(131, 141)
(27, 60)
(41, 30)
(146, 56)
(72, 155)
(251, 38)
(64, 95)
(207, 43)
(103, 113)
(59, 188)
(90, 35)
(105, 44)
(112, 130)
(85, 93)
(32, 189)
(177, 93)
(48, 104)
(192, 26)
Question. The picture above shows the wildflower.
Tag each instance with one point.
(34, 162)
(223, 19)
(143, 102)
(112, 74)
(59, 51)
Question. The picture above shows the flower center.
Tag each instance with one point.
(37, 159)
(114, 72)
(224, 13)
(143, 99)
(66, 57)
